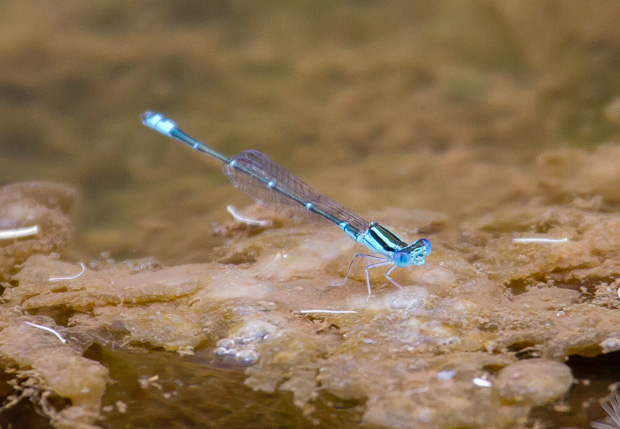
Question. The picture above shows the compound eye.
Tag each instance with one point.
(402, 259)
(428, 248)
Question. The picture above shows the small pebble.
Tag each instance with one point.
(610, 345)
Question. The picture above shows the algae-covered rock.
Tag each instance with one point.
(54, 365)
(534, 381)
(38, 205)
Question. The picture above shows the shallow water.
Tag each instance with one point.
(468, 122)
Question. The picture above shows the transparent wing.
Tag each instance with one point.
(263, 166)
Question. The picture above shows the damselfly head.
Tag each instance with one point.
(414, 254)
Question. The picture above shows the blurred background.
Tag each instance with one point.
(462, 107)
(439, 105)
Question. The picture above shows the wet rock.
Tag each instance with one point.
(534, 381)
(33, 204)
(54, 366)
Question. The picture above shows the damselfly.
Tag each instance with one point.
(274, 187)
